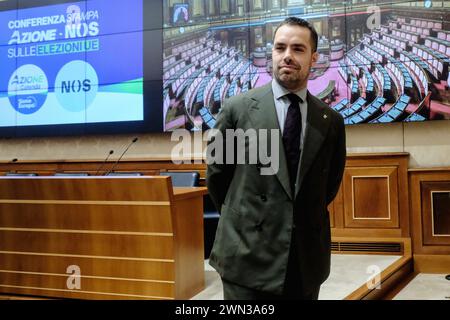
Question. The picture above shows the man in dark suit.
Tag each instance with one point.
(273, 238)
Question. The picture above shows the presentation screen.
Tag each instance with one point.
(76, 67)
(114, 66)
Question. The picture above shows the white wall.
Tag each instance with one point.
(428, 144)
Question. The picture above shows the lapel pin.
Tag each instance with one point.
(325, 116)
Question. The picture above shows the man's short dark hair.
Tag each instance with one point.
(294, 21)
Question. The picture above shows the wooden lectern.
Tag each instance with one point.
(100, 237)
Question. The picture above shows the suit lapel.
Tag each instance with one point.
(317, 125)
(263, 115)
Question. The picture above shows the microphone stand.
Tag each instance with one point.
(104, 161)
(13, 161)
(125, 151)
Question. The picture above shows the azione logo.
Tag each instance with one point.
(28, 89)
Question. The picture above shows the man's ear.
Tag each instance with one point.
(314, 58)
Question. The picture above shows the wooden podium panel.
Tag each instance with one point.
(109, 237)
(373, 198)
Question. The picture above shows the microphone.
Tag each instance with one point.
(104, 161)
(13, 161)
(117, 162)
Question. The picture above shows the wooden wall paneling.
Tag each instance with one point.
(115, 267)
(435, 220)
(403, 195)
(415, 212)
(67, 242)
(98, 190)
(440, 212)
(139, 289)
(422, 183)
(366, 232)
(432, 263)
(154, 219)
(371, 197)
(189, 253)
(400, 161)
(393, 166)
(336, 209)
(339, 208)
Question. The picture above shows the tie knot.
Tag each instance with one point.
(294, 98)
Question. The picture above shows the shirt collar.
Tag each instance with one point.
(280, 91)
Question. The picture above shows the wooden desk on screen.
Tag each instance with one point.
(130, 237)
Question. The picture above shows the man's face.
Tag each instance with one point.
(292, 56)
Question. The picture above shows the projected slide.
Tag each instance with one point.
(72, 63)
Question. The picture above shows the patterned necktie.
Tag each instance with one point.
(291, 136)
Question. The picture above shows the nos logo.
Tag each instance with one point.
(76, 86)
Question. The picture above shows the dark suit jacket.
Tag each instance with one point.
(258, 212)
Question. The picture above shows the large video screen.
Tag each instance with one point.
(379, 61)
(111, 66)
(77, 67)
